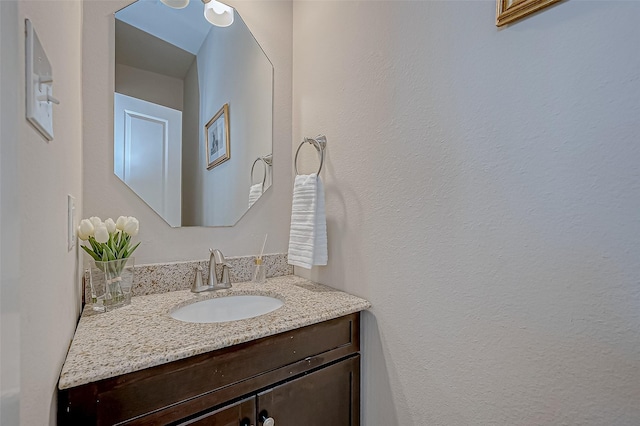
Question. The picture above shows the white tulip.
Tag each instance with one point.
(83, 237)
(96, 221)
(86, 229)
(131, 226)
(102, 235)
(122, 220)
(111, 225)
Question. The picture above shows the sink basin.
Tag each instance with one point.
(228, 308)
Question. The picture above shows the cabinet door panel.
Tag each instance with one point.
(327, 397)
(239, 414)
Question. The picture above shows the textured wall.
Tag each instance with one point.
(9, 214)
(483, 193)
(48, 171)
(105, 195)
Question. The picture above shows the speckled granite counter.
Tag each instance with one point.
(143, 334)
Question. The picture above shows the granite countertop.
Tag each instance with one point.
(143, 335)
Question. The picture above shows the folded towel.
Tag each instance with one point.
(308, 235)
(254, 193)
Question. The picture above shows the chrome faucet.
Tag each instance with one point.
(216, 258)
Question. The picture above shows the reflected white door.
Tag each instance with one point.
(148, 153)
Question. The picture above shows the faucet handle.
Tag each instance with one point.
(197, 285)
(226, 276)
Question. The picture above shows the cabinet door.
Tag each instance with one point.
(239, 414)
(327, 397)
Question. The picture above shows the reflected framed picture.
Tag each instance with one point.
(216, 135)
(509, 11)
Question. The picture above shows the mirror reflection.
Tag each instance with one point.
(193, 107)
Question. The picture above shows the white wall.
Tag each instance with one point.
(191, 148)
(483, 193)
(47, 172)
(9, 215)
(105, 195)
(150, 86)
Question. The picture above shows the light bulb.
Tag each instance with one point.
(218, 14)
(176, 4)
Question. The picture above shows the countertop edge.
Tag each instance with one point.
(297, 293)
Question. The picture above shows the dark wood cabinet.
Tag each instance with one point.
(320, 398)
(307, 376)
(325, 397)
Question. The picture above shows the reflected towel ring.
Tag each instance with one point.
(319, 143)
(264, 179)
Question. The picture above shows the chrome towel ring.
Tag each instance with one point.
(319, 143)
(267, 160)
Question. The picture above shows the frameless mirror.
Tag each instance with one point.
(193, 113)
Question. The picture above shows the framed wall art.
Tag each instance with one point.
(509, 11)
(216, 135)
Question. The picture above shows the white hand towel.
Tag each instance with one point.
(308, 235)
(254, 193)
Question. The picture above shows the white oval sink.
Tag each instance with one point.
(228, 308)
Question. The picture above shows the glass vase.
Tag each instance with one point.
(111, 283)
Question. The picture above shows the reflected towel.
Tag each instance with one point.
(254, 193)
(308, 235)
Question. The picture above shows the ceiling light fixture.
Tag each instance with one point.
(176, 4)
(218, 14)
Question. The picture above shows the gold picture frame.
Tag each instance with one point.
(511, 10)
(216, 135)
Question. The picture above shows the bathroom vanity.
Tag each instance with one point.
(298, 365)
